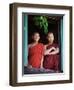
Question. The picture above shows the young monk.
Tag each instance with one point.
(35, 52)
(51, 58)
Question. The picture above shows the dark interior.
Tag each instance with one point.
(53, 26)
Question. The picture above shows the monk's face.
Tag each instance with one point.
(36, 37)
(50, 37)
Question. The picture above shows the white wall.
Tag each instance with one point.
(4, 46)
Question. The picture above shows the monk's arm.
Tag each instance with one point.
(41, 62)
(56, 51)
(46, 52)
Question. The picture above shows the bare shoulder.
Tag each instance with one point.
(29, 45)
(45, 46)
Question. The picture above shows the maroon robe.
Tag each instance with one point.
(51, 61)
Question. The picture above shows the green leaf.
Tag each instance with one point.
(41, 22)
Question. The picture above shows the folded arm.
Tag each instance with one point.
(56, 51)
(47, 51)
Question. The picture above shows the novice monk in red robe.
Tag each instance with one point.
(51, 58)
(35, 52)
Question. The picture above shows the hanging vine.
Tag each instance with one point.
(41, 22)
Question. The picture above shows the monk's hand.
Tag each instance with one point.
(48, 51)
(29, 66)
(54, 52)
(41, 67)
(52, 48)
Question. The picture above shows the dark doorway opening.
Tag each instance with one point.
(54, 25)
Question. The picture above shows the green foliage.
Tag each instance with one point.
(42, 22)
